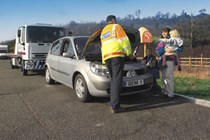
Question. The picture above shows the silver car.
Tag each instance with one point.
(75, 61)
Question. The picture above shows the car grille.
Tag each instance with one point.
(138, 72)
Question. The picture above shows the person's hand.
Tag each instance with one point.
(168, 50)
(131, 57)
(179, 68)
(162, 39)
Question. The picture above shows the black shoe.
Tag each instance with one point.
(157, 91)
(117, 110)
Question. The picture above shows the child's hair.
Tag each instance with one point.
(174, 33)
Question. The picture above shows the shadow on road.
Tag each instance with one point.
(150, 100)
(144, 101)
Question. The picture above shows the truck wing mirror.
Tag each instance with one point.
(19, 33)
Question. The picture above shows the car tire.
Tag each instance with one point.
(48, 78)
(81, 89)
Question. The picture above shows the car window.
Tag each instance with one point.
(56, 48)
(67, 47)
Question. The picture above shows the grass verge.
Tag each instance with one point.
(191, 86)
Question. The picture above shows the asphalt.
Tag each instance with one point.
(31, 109)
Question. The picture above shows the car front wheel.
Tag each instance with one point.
(81, 89)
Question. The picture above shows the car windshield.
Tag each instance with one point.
(41, 34)
(80, 44)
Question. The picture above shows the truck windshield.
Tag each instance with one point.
(3, 51)
(40, 34)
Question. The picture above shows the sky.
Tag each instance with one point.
(14, 13)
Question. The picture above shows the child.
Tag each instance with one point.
(152, 66)
(173, 46)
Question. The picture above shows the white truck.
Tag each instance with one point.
(32, 45)
(3, 51)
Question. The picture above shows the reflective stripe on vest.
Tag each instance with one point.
(126, 48)
(113, 53)
(114, 31)
(108, 41)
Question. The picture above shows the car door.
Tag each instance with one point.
(53, 57)
(66, 62)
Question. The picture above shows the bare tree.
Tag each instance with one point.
(138, 13)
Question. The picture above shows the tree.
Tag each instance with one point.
(138, 13)
(202, 10)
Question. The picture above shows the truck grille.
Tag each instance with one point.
(39, 55)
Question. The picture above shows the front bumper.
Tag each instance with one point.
(34, 65)
(104, 87)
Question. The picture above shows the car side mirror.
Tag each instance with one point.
(67, 54)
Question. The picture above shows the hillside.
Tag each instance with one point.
(194, 29)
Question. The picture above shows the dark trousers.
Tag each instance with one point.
(156, 87)
(115, 67)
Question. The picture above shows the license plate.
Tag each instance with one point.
(133, 83)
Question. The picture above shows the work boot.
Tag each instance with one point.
(117, 110)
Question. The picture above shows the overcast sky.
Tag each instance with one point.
(14, 13)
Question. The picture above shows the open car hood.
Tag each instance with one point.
(94, 39)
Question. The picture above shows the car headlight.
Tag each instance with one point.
(99, 69)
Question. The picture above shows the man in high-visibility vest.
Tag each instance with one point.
(115, 46)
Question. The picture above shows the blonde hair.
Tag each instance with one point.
(174, 33)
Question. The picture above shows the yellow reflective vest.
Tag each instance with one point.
(115, 42)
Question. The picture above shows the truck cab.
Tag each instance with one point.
(32, 45)
(3, 51)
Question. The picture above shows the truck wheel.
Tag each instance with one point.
(48, 78)
(24, 72)
(12, 66)
(81, 89)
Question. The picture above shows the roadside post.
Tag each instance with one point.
(146, 37)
